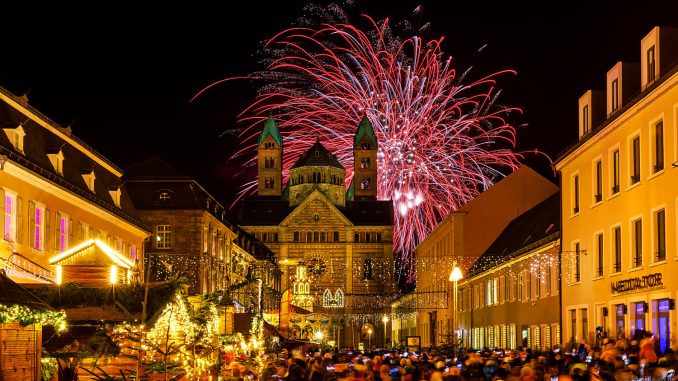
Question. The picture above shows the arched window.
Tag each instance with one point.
(309, 237)
(316, 237)
(296, 236)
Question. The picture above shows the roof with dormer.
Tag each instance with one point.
(365, 128)
(318, 156)
(271, 128)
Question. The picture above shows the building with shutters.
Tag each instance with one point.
(65, 215)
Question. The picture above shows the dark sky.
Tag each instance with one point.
(122, 74)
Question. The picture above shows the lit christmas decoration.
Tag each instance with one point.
(26, 316)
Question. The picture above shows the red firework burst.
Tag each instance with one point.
(441, 141)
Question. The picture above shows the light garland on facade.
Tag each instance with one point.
(26, 316)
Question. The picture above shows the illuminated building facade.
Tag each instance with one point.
(510, 295)
(65, 214)
(192, 237)
(619, 202)
(342, 238)
(461, 238)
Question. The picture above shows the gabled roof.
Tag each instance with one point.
(96, 250)
(365, 128)
(316, 194)
(530, 230)
(12, 293)
(318, 156)
(271, 128)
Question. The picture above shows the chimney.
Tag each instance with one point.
(590, 111)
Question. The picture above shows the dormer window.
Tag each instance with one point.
(651, 70)
(614, 95)
(89, 177)
(57, 160)
(115, 195)
(16, 137)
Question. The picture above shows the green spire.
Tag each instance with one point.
(365, 128)
(270, 128)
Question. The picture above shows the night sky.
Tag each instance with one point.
(122, 75)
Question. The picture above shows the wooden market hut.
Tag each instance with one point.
(93, 263)
(20, 346)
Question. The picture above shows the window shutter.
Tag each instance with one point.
(71, 240)
(2, 213)
(31, 223)
(19, 220)
(48, 226)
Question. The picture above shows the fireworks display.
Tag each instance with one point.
(441, 140)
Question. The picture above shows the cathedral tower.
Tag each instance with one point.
(365, 162)
(269, 159)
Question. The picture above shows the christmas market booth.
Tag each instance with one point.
(22, 316)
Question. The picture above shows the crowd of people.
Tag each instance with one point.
(620, 360)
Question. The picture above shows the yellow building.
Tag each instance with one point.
(65, 214)
(619, 202)
(462, 237)
(510, 295)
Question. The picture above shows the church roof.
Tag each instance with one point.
(365, 128)
(318, 156)
(271, 128)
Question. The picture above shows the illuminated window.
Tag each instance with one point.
(585, 120)
(364, 162)
(36, 213)
(163, 236)
(10, 212)
(62, 232)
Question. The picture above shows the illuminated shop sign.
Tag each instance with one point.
(645, 282)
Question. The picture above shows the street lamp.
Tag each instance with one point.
(369, 337)
(455, 276)
(385, 320)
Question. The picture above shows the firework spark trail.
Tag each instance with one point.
(441, 142)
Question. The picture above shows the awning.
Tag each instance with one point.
(91, 251)
(19, 266)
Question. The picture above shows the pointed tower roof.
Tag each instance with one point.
(365, 128)
(270, 128)
(318, 156)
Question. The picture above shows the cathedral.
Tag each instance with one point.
(333, 243)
